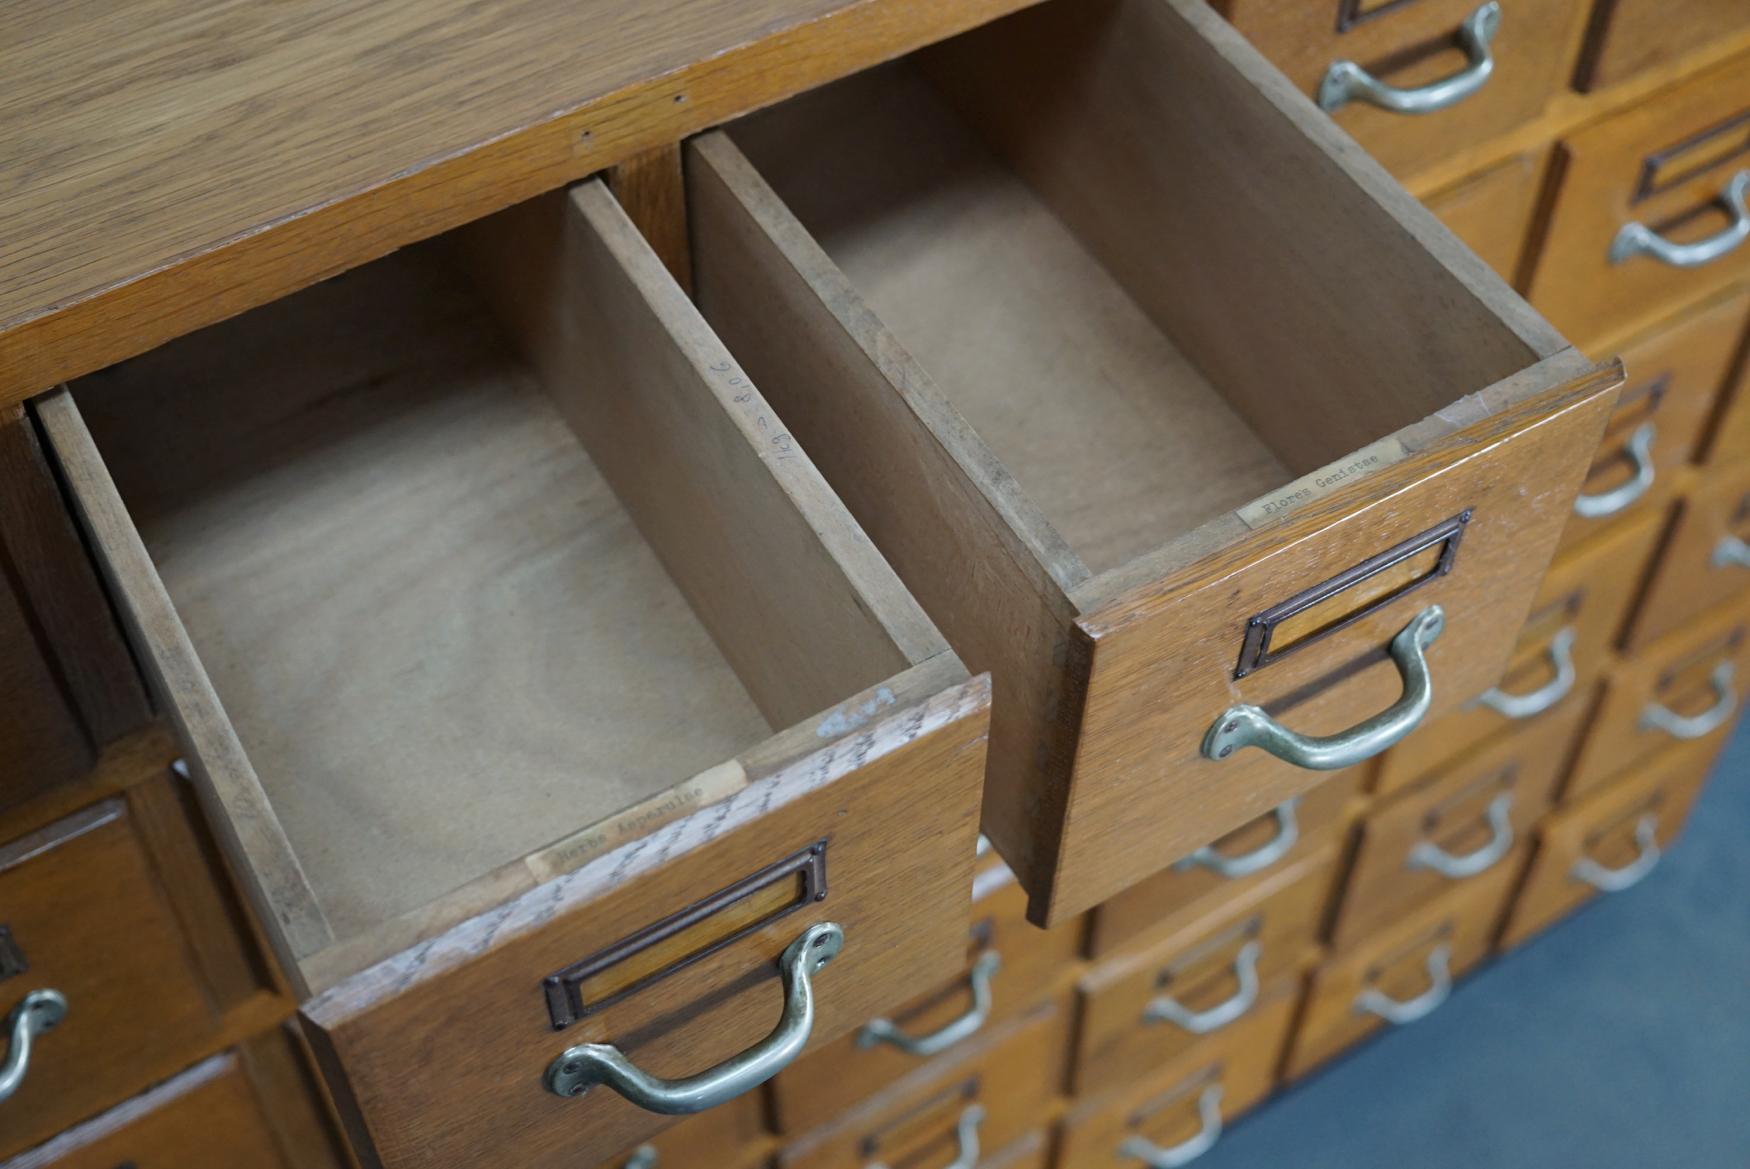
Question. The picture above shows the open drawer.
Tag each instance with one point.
(548, 699)
(1224, 457)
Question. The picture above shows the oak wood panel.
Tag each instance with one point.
(41, 741)
(1167, 901)
(1628, 37)
(1449, 809)
(1690, 578)
(1030, 1152)
(1493, 210)
(1603, 827)
(1414, 44)
(1116, 1043)
(1728, 439)
(1012, 1075)
(1036, 965)
(1394, 961)
(1162, 1106)
(732, 1135)
(289, 143)
(650, 189)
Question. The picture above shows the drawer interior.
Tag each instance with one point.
(456, 610)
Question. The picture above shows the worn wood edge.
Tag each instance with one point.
(237, 809)
(78, 334)
(1226, 544)
(106, 1124)
(131, 760)
(535, 906)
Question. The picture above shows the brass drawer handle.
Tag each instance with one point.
(1535, 702)
(979, 978)
(1430, 856)
(1608, 880)
(1637, 239)
(1248, 726)
(36, 1012)
(1639, 449)
(581, 1067)
(966, 1132)
(1658, 717)
(1374, 1001)
(1730, 552)
(1187, 1151)
(1246, 863)
(1167, 1009)
(1345, 81)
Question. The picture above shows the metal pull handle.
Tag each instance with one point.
(1345, 81)
(966, 1132)
(1608, 880)
(1187, 1151)
(967, 1025)
(580, 1068)
(643, 1157)
(1730, 552)
(36, 1012)
(1639, 449)
(1637, 239)
(1535, 702)
(1167, 1009)
(1428, 855)
(1374, 1001)
(1256, 861)
(1248, 726)
(1658, 717)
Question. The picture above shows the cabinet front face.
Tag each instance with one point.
(1630, 37)
(1705, 562)
(1493, 212)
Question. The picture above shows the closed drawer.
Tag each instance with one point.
(1225, 871)
(991, 1097)
(1358, 57)
(1676, 374)
(1456, 826)
(1491, 211)
(732, 1135)
(1684, 687)
(1610, 840)
(1146, 532)
(1651, 207)
(550, 701)
(1704, 563)
(1630, 36)
(1177, 1112)
(1011, 967)
(1032, 1151)
(91, 936)
(1145, 1008)
(1564, 646)
(1729, 440)
(1401, 974)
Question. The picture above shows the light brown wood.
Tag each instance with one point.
(1728, 439)
(1030, 1152)
(279, 1066)
(1036, 965)
(1116, 1042)
(650, 188)
(1676, 673)
(1628, 37)
(1449, 809)
(1493, 211)
(1690, 578)
(1162, 1107)
(1013, 1075)
(1602, 827)
(1409, 45)
(290, 143)
(1602, 167)
(1395, 962)
(1168, 901)
(732, 1135)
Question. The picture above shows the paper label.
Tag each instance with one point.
(1320, 483)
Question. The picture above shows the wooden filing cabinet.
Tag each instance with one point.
(1705, 562)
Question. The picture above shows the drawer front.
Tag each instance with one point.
(731, 1135)
(1412, 45)
(1675, 377)
(1685, 687)
(1705, 562)
(992, 1097)
(1010, 967)
(1668, 165)
(1610, 840)
(1455, 827)
(1563, 647)
(85, 922)
(1400, 974)
(1181, 1108)
(1632, 36)
(1227, 870)
(1729, 441)
(1030, 1152)
(1492, 211)
(1143, 1009)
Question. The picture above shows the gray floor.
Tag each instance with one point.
(1619, 1039)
